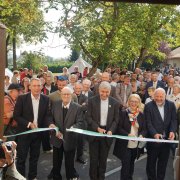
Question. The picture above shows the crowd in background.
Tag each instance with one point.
(131, 93)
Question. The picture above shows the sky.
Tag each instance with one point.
(54, 46)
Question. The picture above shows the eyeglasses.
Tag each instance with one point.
(66, 94)
(136, 102)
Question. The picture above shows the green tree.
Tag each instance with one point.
(22, 17)
(117, 33)
(74, 55)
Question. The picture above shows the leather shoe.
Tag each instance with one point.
(81, 160)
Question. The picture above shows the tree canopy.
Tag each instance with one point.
(118, 33)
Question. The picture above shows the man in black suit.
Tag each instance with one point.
(31, 111)
(160, 115)
(103, 116)
(154, 83)
(169, 88)
(82, 101)
(66, 114)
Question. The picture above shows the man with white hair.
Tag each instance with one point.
(160, 115)
(86, 88)
(103, 116)
(66, 114)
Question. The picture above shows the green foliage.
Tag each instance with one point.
(36, 60)
(74, 55)
(23, 17)
(117, 33)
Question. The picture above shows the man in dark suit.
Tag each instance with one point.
(66, 114)
(169, 88)
(160, 115)
(31, 111)
(154, 83)
(82, 101)
(86, 88)
(103, 116)
(105, 77)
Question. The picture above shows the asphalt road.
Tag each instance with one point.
(112, 172)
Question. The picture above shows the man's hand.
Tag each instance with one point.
(52, 126)
(100, 130)
(109, 133)
(158, 136)
(171, 136)
(131, 135)
(59, 135)
(33, 126)
(10, 155)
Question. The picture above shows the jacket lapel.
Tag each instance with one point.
(98, 108)
(30, 107)
(40, 110)
(165, 111)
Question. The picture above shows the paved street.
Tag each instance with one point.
(113, 168)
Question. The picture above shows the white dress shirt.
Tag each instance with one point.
(104, 112)
(67, 106)
(161, 110)
(35, 104)
(85, 93)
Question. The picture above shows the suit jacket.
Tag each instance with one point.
(93, 115)
(112, 93)
(155, 123)
(23, 112)
(90, 94)
(160, 84)
(120, 91)
(124, 128)
(73, 118)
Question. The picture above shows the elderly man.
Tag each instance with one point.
(160, 115)
(66, 114)
(9, 104)
(103, 116)
(105, 77)
(86, 88)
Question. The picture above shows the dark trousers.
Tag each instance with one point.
(128, 164)
(69, 163)
(157, 159)
(46, 141)
(80, 146)
(28, 143)
(98, 151)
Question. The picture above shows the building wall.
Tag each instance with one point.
(174, 62)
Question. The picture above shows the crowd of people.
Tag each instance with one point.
(137, 104)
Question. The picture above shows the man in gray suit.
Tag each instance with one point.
(103, 117)
(66, 114)
(123, 91)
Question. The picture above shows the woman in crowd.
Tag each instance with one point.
(25, 85)
(131, 123)
(65, 72)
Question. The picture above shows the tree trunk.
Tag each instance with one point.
(7, 43)
(143, 52)
(14, 53)
(94, 67)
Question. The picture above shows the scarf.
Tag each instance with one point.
(132, 116)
